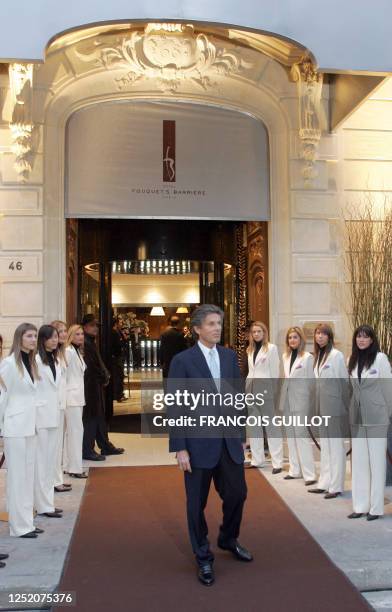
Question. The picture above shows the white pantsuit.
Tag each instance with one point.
(263, 374)
(296, 398)
(18, 417)
(74, 411)
(47, 436)
(370, 411)
(332, 401)
(58, 477)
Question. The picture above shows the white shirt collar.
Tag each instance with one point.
(205, 350)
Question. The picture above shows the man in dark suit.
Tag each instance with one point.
(172, 342)
(96, 377)
(217, 455)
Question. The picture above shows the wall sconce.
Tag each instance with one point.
(157, 311)
(182, 310)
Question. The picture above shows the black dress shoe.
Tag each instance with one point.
(112, 451)
(288, 477)
(355, 515)
(276, 470)
(2, 564)
(29, 534)
(238, 551)
(206, 574)
(82, 475)
(310, 482)
(3, 556)
(51, 515)
(39, 530)
(318, 491)
(372, 517)
(95, 457)
(332, 495)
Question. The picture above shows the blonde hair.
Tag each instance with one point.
(71, 333)
(299, 331)
(16, 349)
(61, 347)
(264, 343)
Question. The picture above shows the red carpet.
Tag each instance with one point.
(130, 551)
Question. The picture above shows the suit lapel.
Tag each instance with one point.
(200, 362)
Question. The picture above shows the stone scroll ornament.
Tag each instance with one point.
(309, 86)
(170, 54)
(21, 124)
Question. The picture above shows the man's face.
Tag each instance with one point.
(91, 329)
(210, 330)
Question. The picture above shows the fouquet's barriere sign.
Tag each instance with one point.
(166, 160)
(169, 151)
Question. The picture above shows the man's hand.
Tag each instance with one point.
(183, 461)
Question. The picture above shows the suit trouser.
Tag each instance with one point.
(20, 457)
(369, 469)
(275, 445)
(332, 463)
(45, 461)
(95, 429)
(74, 439)
(301, 458)
(229, 481)
(58, 474)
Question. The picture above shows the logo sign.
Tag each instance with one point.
(169, 151)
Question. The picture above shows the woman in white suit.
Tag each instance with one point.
(296, 399)
(47, 423)
(75, 401)
(370, 411)
(18, 420)
(59, 485)
(263, 374)
(331, 400)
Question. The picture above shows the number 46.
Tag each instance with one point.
(15, 265)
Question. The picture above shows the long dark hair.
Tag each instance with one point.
(371, 352)
(45, 333)
(325, 329)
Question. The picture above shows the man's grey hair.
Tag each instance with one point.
(201, 313)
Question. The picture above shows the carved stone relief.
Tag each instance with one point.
(309, 86)
(21, 125)
(170, 54)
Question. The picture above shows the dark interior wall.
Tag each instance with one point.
(103, 240)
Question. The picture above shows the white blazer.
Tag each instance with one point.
(371, 402)
(263, 375)
(297, 391)
(18, 402)
(266, 364)
(75, 377)
(48, 396)
(332, 385)
(63, 385)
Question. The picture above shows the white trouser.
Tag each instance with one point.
(368, 471)
(58, 473)
(74, 439)
(20, 457)
(301, 458)
(332, 464)
(45, 462)
(275, 445)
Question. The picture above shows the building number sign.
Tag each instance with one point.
(16, 265)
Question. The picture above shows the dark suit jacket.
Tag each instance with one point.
(191, 364)
(95, 376)
(172, 342)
